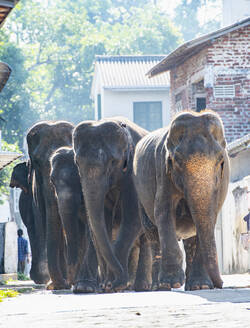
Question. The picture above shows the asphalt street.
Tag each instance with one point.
(229, 307)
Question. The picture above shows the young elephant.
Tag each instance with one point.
(33, 221)
(81, 256)
(181, 174)
(104, 155)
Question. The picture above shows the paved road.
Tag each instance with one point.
(229, 307)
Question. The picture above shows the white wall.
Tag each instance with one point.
(5, 215)
(233, 258)
(116, 103)
(234, 10)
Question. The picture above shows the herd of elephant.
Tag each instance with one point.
(106, 203)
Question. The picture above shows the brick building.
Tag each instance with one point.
(213, 72)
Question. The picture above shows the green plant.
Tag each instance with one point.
(7, 293)
(21, 276)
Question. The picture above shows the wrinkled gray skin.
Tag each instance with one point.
(181, 175)
(33, 221)
(104, 155)
(81, 256)
(43, 139)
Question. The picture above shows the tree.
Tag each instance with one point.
(14, 98)
(60, 41)
(186, 19)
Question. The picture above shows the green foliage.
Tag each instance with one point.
(21, 276)
(186, 19)
(59, 43)
(7, 293)
(6, 172)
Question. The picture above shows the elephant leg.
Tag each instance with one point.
(151, 233)
(86, 281)
(55, 249)
(156, 258)
(129, 231)
(171, 273)
(197, 276)
(73, 232)
(143, 280)
(133, 264)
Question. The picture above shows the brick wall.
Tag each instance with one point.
(228, 59)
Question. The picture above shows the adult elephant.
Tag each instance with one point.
(181, 175)
(43, 139)
(33, 221)
(104, 153)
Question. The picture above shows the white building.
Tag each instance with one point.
(121, 88)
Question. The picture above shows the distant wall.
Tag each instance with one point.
(240, 165)
(8, 247)
(233, 258)
(115, 103)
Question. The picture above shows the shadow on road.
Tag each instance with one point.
(237, 295)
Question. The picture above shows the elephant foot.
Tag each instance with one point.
(198, 282)
(142, 286)
(171, 279)
(117, 285)
(85, 287)
(58, 286)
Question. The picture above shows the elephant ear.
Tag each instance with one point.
(30, 170)
(130, 150)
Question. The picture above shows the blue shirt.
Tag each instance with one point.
(247, 219)
(22, 248)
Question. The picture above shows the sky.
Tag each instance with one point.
(211, 10)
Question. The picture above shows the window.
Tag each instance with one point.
(224, 91)
(148, 114)
(99, 107)
(16, 195)
(178, 106)
(200, 104)
(178, 102)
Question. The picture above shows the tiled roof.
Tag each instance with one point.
(190, 48)
(7, 157)
(129, 72)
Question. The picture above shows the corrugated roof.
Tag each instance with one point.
(5, 9)
(7, 157)
(190, 48)
(129, 72)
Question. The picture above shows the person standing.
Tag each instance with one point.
(22, 251)
(247, 219)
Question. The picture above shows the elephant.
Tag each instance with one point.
(81, 256)
(82, 263)
(181, 174)
(33, 221)
(103, 152)
(43, 139)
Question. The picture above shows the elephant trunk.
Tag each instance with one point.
(94, 191)
(202, 198)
